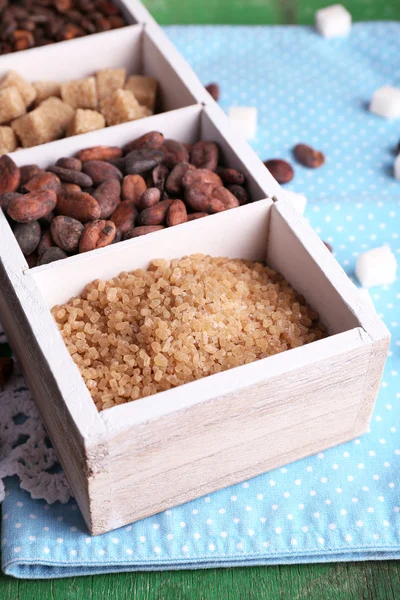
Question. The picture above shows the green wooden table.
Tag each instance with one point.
(343, 581)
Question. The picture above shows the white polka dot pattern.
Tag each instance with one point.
(342, 504)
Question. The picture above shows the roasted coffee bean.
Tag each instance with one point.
(99, 153)
(142, 230)
(108, 195)
(99, 171)
(154, 215)
(72, 176)
(97, 234)
(32, 206)
(10, 175)
(69, 163)
(205, 155)
(133, 187)
(66, 232)
(78, 205)
(176, 214)
(124, 218)
(43, 181)
(150, 197)
(174, 183)
(140, 161)
(174, 153)
(27, 236)
(50, 255)
(149, 141)
(230, 176)
(281, 170)
(214, 91)
(308, 157)
(240, 193)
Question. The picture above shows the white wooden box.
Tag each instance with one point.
(137, 459)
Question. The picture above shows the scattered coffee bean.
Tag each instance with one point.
(308, 157)
(281, 170)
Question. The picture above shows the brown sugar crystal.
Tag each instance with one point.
(151, 330)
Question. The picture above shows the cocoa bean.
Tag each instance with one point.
(240, 193)
(97, 234)
(73, 187)
(140, 161)
(174, 153)
(31, 259)
(158, 177)
(69, 163)
(197, 215)
(225, 196)
(176, 213)
(72, 176)
(124, 218)
(149, 141)
(150, 197)
(50, 255)
(78, 205)
(205, 155)
(108, 196)
(46, 220)
(5, 199)
(281, 170)
(10, 175)
(99, 171)
(32, 206)
(230, 176)
(43, 181)
(174, 182)
(143, 230)
(308, 157)
(27, 172)
(199, 176)
(199, 198)
(66, 232)
(46, 241)
(155, 215)
(27, 236)
(213, 90)
(133, 187)
(99, 153)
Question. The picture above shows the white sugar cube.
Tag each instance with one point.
(333, 21)
(298, 201)
(396, 167)
(376, 267)
(244, 120)
(386, 102)
(364, 293)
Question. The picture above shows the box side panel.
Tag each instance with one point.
(214, 444)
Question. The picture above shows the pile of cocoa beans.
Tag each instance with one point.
(29, 23)
(106, 194)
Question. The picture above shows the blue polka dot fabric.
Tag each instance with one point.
(343, 504)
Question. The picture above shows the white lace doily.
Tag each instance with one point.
(25, 449)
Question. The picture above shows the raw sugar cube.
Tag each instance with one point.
(26, 89)
(333, 21)
(386, 102)
(396, 167)
(244, 120)
(44, 124)
(120, 106)
(45, 89)
(11, 104)
(85, 120)
(80, 93)
(144, 89)
(109, 80)
(8, 141)
(298, 201)
(376, 267)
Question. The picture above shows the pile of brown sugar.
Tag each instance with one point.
(151, 330)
